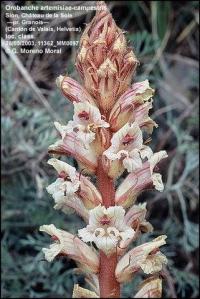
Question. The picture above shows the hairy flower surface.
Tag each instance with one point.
(140, 180)
(106, 228)
(69, 245)
(146, 257)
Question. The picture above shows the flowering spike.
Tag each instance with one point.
(105, 137)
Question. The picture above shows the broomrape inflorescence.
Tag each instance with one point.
(106, 138)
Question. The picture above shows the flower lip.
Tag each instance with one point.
(154, 251)
(84, 115)
(105, 220)
(64, 175)
(127, 139)
(54, 238)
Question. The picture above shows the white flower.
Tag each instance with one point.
(106, 228)
(156, 177)
(133, 105)
(146, 256)
(65, 187)
(72, 190)
(86, 120)
(140, 180)
(61, 243)
(126, 150)
(129, 137)
(71, 146)
(153, 263)
(133, 160)
(70, 245)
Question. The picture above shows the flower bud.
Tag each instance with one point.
(104, 61)
(89, 193)
(59, 80)
(129, 107)
(135, 217)
(73, 91)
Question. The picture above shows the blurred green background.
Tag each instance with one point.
(164, 35)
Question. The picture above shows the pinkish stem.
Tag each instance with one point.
(109, 287)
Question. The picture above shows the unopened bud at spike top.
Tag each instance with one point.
(105, 62)
(73, 91)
